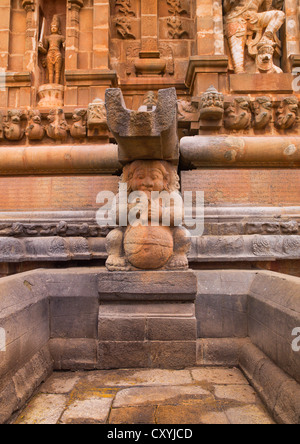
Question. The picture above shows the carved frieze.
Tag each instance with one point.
(174, 22)
(123, 19)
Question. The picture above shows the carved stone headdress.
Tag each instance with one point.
(56, 21)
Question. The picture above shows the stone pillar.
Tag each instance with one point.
(100, 34)
(149, 26)
(30, 57)
(292, 46)
(4, 47)
(210, 35)
(209, 67)
(72, 41)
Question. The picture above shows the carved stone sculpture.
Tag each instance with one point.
(35, 130)
(79, 128)
(12, 126)
(123, 20)
(58, 127)
(52, 47)
(211, 105)
(287, 113)
(149, 247)
(264, 59)
(247, 25)
(262, 109)
(174, 22)
(238, 114)
(96, 119)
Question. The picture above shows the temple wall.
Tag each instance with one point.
(239, 141)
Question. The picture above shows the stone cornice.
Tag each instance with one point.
(91, 77)
(213, 63)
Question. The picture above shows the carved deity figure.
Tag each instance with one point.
(247, 24)
(150, 246)
(52, 47)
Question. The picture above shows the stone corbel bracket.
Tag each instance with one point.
(144, 135)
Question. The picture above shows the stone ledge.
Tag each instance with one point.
(213, 63)
(90, 77)
(147, 286)
(280, 393)
(260, 83)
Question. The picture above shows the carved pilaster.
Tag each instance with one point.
(72, 44)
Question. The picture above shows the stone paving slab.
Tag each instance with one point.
(191, 396)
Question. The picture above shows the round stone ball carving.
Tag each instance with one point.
(148, 248)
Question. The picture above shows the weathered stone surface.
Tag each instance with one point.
(156, 395)
(219, 376)
(43, 409)
(220, 351)
(60, 383)
(279, 392)
(248, 415)
(87, 411)
(73, 354)
(130, 128)
(150, 286)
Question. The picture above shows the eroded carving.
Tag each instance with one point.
(249, 23)
(262, 110)
(174, 22)
(287, 113)
(211, 105)
(97, 119)
(78, 129)
(12, 125)
(265, 59)
(123, 21)
(35, 130)
(238, 114)
(58, 127)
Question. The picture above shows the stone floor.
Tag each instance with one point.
(192, 396)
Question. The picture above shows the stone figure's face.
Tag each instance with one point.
(148, 178)
(54, 29)
(265, 58)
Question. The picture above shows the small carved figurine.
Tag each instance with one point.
(152, 246)
(238, 114)
(58, 126)
(35, 129)
(211, 105)
(78, 129)
(96, 119)
(249, 22)
(52, 46)
(12, 127)
(287, 113)
(262, 108)
(264, 59)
